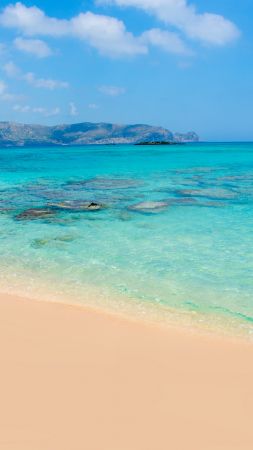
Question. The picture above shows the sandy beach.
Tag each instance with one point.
(126, 199)
(76, 379)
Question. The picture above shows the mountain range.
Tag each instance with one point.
(19, 135)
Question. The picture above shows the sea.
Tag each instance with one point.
(159, 233)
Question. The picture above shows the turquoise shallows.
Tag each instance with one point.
(189, 256)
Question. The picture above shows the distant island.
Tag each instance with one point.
(22, 135)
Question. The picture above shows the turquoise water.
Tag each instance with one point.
(190, 257)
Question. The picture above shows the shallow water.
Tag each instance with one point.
(190, 255)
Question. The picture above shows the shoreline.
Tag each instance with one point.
(77, 378)
(102, 300)
(143, 318)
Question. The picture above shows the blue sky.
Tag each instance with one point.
(176, 63)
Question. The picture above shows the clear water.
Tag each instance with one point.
(191, 259)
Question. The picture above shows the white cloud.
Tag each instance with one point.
(13, 71)
(37, 110)
(35, 47)
(6, 95)
(93, 106)
(166, 40)
(53, 112)
(21, 108)
(45, 83)
(112, 91)
(206, 27)
(107, 34)
(33, 21)
(73, 109)
(3, 87)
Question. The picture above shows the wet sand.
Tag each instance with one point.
(76, 379)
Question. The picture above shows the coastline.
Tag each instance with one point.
(101, 299)
(69, 371)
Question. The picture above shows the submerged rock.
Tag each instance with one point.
(190, 201)
(151, 206)
(212, 204)
(183, 201)
(124, 216)
(39, 243)
(35, 213)
(77, 205)
(104, 183)
(222, 194)
(247, 176)
(204, 169)
(5, 210)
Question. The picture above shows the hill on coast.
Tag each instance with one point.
(20, 135)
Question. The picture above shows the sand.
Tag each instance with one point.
(75, 379)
